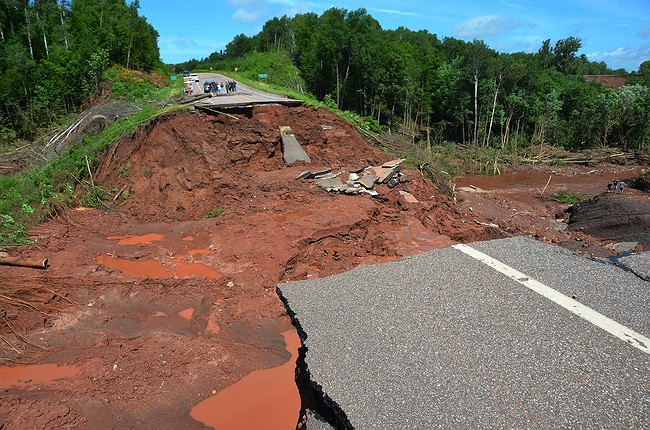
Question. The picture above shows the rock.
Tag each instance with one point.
(320, 173)
(408, 197)
(393, 163)
(305, 175)
(368, 181)
(384, 174)
(393, 182)
(625, 246)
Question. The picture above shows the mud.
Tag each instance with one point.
(171, 293)
(171, 305)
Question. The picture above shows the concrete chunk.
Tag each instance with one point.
(321, 173)
(368, 181)
(305, 175)
(384, 173)
(291, 149)
(393, 163)
(329, 184)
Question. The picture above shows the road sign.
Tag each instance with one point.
(263, 76)
(173, 78)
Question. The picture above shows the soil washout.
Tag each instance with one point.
(170, 294)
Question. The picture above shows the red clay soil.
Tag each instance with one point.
(172, 307)
(520, 203)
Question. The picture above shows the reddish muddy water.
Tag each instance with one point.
(34, 374)
(153, 269)
(264, 399)
(144, 239)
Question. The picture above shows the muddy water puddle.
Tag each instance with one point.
(22, 376)
(153, 269)
(264, 399)
(144, 239)
(591, 181)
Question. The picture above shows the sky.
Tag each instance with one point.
(614, 31)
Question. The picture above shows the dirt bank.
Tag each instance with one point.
(166, 306)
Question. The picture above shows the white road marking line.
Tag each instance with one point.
(609, 325)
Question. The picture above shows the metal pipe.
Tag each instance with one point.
(35, 263)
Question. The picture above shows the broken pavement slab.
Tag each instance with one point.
(368, 180)
(291, 149)
(393, 163)
(330, 183)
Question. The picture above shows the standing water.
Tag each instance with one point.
(264, 399)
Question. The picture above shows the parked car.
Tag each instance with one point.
(195, 77)
(186, 73)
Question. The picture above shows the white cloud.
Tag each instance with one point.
(482, 27)
(175, 49)
(394, 12)
(245, 16)
(627, 58)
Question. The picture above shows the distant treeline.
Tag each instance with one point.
(53, 54)
(449, 89)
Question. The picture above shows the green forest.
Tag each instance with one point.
(446, 90)
(53, 55)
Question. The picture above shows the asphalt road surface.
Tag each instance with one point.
(509, 333)
(244, 95)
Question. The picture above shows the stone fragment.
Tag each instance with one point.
(384, 174)
(625, 246)
(393, 182)
(305, 175)
(359, 170)
(368, 181)
(393, 163)
(320, 173)
(329, 184)
(408, 197)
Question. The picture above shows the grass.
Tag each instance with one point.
(214, 213)
(563, 196)
(38, 193)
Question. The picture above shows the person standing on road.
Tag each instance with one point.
(621, 186)
(609, 187)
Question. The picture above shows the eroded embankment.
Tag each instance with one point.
(176, 284)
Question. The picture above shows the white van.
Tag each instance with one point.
(194, 77)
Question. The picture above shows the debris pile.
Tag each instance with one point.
(359, 181)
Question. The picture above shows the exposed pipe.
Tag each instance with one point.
(35, 263)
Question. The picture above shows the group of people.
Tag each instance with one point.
(220, 87)
(616, 186)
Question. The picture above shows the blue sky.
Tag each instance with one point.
(614, 31)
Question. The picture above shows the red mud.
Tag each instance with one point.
(36, 374)
(171, 306)
(265, 399)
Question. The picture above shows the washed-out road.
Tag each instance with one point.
(509, 333)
